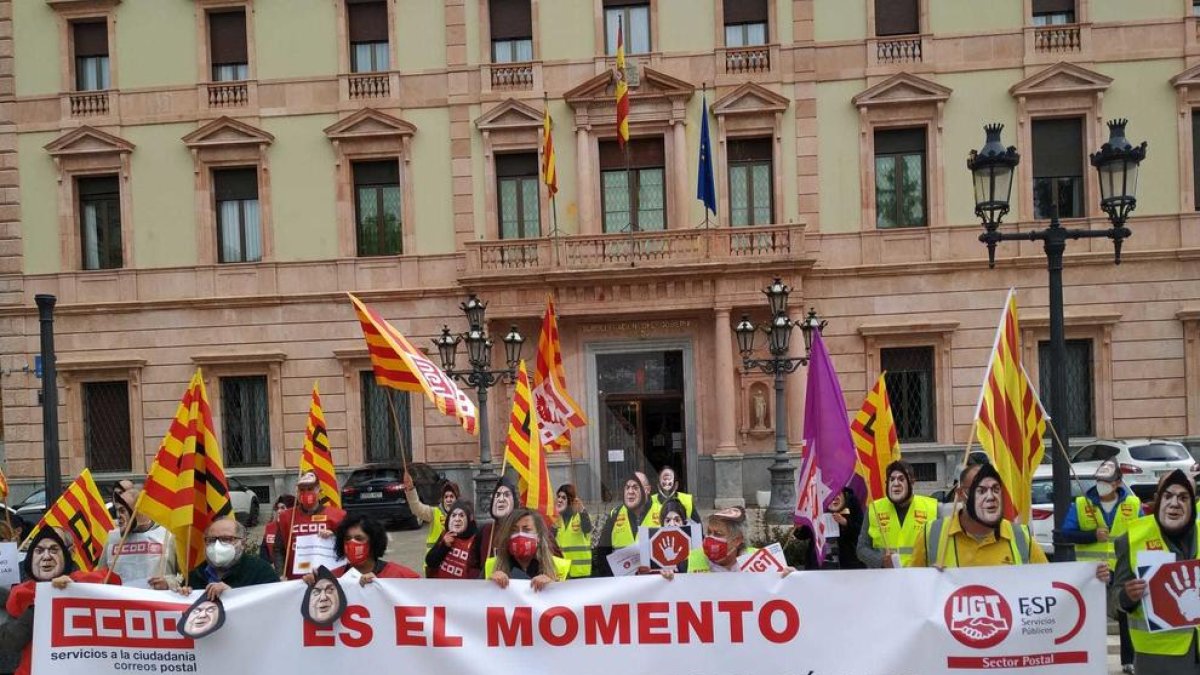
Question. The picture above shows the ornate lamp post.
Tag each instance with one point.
(1117, 165)
(482, 377)
(779, 336)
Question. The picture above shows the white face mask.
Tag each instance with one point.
(221, 554)
(1105, 489)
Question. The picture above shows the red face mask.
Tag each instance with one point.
(357, 551)
(308, 500)
(715, 548)
(522, 545)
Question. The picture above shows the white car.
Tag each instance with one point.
(1143, 461)
(1042, 514)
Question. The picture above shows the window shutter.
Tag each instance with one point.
(227, 37)
(624, 3)
(749, 150)
(517, 164)
(377, 173)
(368, 20)
(510, 19)
(1057, 148)
(1053, 6)
(91, 38)
(230, 184)
(644, 153)
(897, 17)
(745, 11)
(900, 141)
(97, 186)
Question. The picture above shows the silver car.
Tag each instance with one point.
(1143, 461)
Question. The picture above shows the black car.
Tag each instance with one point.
(375, 490)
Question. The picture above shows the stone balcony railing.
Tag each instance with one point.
(636, 249)
(907, 49)
(228, 94)
(1057, 39)
(740, 60)
(368, 85)
(512, 76)
(88, 103)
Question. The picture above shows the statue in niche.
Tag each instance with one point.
(758, 401)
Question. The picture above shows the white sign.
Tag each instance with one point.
(616, 455)
(310, 551)
(769, 559)
(10, 564)
(625, 561)
(1028, 619)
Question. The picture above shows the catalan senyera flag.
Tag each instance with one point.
(622, 90)
(1010, 420)
(400, 365)
(316, 456)
(874, 432)
(549, 171)
(186, 488)
(81, 514)
(558, 413)
(523, 451)
(3, 487)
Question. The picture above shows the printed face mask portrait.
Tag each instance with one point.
(202, 619)
(48, 560)
(325, 600)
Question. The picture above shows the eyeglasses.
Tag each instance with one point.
(230, 541)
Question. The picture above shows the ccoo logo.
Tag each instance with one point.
(978, 617)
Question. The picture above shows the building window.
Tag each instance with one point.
(900, 195)
(1058, 167)
(90, 43)
(106, 437)
(634, 199)
(750, 182)
(512, 30)
(245, 421)
(99, 222)
(377, 207)
(1053, 12)
(227, 46)
(1196, 156)
(897, 17)
(239, 235)
(368, 27)
(517, 181)
(380, 439)
(910, 384)
(633, 17)
(745, 23)
(925, 472)
(1078, 420)
(1195, 7)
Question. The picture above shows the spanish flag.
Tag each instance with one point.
(81, 514)
(874, 433)
(186, 488)
(523, 451)
(549, 172)
(622, 90)
(316, 456)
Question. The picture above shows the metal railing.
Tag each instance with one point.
(228, 94)
(512, 75)
(755, 59)
(369, 85)
(1056, 39)
(89, 103)
(898, 50)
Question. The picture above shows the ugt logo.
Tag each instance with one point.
(978, 616)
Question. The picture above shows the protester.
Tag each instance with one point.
(845, 512)
(526, 553)
(48, 559)
(363, 542)
(227, 565)
(309, 516)
(674, 514)
(504, 500)
(668, 488)
(454, 557)
(434, 515)
(271, 530)
(147, 549)
(645, 483)
(621, 526)
(895, 521)
(724, 543)
(1093, 523)
(574, 532)
(1170, 529)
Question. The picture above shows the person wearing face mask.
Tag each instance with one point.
(574, 533)
(434, 515)
(725, 541)
(504, 500)
(226, 566)
(147, 555)
(363, 541)
(271, 530)
(668, 488)
(896, 521)
(621, 526)
(309, 516)
(1171, 529)
(526, 553)
(48, 559)
(454, 556)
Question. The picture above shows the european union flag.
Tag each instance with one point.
(706, 187)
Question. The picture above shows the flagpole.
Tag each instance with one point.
(124, 535)
(704, 112)
(945, 534)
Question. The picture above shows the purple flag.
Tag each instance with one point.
(827, 437)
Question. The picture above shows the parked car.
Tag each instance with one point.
(1042, 512)
(1143, 461)
(375, 490)
(244, 501)
(32, 508)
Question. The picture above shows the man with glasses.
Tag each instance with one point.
(227, 566)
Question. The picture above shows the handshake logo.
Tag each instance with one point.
(978, 617)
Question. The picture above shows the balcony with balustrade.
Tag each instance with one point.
(369, 86)
(1060, 39)
(86, 104)
(900, 50)
(226, 95)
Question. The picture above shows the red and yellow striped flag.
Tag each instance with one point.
(874, 433)
(400, 365)
(317, 456)
(1010, 420)
(622, 90)
(3, 487)
(523, 451)
(81, 514)
(558, 413)
(549, 171)
(186, 488)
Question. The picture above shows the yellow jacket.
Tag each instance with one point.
(1011, 547)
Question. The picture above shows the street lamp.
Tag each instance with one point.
(1117, 164)
(779, 337)
(482, 377)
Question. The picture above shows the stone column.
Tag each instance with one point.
(683, 200)
(585, 198)
(727, 461)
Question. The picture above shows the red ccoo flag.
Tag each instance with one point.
(523, 451)
(557, 412)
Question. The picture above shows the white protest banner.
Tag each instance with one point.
(10, 564)
(313, 551)
(1172, 599)
(1042, 619)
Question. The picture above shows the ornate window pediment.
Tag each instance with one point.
(1061, 79)
(88, 147)
(227, 132)
(902, 89)
(750, 99)
(369, 123)
(658, 97)
(510, 115)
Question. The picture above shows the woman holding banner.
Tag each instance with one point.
(526, 553)
(362, 541)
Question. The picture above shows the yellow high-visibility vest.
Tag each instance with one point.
(698, 562)
(576, 546)
(1018, 537)
(1144, 535)
(1091, 517)
(654, 513)
(888, 533)
(436, 528)
(623, 533)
